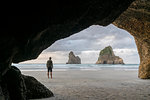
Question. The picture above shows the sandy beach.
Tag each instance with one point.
(105, 84)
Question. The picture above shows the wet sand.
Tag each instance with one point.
(105, 84)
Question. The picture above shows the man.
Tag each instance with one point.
(49, 67)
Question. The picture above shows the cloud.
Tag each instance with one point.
(57, 57)
(88, 43)
(95, 38)
(130, 56)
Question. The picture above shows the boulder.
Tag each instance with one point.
(34, 89)
(73, 59)
(107, 56)
(15, 86)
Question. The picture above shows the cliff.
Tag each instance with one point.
(136, 20)
(73, 59)
(107, 56)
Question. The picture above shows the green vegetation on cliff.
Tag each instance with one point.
(107, 56)
(107, 51)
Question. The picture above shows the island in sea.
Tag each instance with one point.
(107, 56)
(73, 59)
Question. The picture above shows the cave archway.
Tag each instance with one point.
(105, 62)
(113, 62)
(88, 43)
(136, 24)
(22, 35)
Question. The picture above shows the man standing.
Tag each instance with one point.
(49, 67)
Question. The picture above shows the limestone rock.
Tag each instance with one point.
(29, 35)
(73, 59)
(35, 89)
(136, 20)
(15, 86)
(107, 56)
(29, 30)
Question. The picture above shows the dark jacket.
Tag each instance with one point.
(49, 64)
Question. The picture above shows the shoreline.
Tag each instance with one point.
(80, 69)
(106, 84)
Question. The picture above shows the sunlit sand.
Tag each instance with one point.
(105, 84)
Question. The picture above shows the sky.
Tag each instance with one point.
(88, 43)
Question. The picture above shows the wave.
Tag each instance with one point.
(64, 67)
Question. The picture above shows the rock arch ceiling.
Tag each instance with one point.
(28, 29)
(25, 33)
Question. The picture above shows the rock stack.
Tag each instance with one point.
(107, 56)
(73, 59)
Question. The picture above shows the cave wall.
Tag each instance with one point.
(28, 29)
(136, 20)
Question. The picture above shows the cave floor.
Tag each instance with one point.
(103, 84)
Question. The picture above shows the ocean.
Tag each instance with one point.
(64, 67)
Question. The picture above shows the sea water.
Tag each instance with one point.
(64, 67)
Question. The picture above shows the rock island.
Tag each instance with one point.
(107, 56)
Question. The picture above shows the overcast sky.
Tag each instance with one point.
(88, 43)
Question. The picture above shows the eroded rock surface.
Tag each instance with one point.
(136, 20)
(73, 59)
(15, 86)
(35, 89)
(26, 31)
(107, 56)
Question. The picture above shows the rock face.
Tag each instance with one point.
(27, 31)
(136, 20)
(34, 89)
(16, 86)
(107, 56)
(73, 59)
(13, 86)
